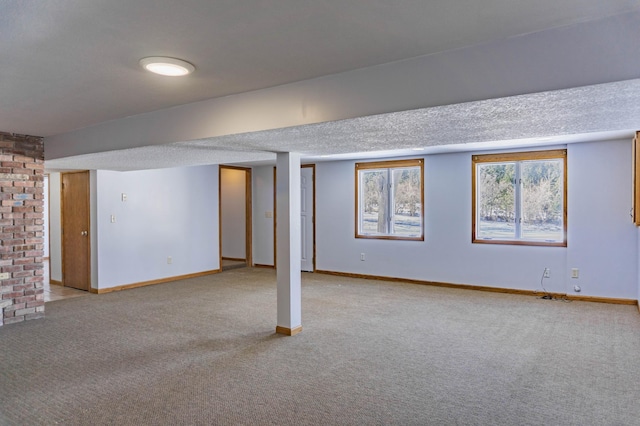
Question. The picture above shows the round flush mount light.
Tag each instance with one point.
(171, 67)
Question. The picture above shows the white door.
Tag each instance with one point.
(306, 218)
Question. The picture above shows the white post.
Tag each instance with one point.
(288, 252)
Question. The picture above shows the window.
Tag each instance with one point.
(520, 198)
(390, 200)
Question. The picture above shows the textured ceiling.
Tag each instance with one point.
(597, 112)
(68, 64)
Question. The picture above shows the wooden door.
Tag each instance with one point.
(76, 265)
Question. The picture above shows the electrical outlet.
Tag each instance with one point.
(547, 273)
(113, 218)
(123, 196)
(575, 273)
(169, 260)
(362, 256)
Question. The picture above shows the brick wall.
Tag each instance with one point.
(21, 227)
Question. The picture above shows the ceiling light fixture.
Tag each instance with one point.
(171, 67)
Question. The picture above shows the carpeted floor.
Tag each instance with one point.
(203, 351)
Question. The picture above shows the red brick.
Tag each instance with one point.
(15, 307)
(8, 187)
(22, 287)
(7, 215)
(22, 274)
(25, 247)
(22, 171)
(20, 208)
(25, 311)
(12, 163)
(11, 242)
(15, 255)
(22, 159)
(13, 320)
(24, 299)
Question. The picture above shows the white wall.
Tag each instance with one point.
(262, 208)
(602, 236)
(602, 242)
(168, 212)
(55, 224)
(233, 213)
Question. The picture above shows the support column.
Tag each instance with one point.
(288, 252)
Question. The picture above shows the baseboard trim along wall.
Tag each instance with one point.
(235, 259)
(152, 282)
(260, 265)
(55, 282)
(485, 288)
(288, 331)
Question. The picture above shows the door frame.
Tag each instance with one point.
(248, 213)
(313, 212)
(62, 235)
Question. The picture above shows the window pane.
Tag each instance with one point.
(542, 209)
(407, 217)
(373, 201)
(496, 201)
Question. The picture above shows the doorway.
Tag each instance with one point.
(235, 217)
(76, 254)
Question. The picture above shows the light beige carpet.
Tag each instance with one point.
(203, 351)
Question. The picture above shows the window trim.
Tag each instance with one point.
(390, 164)
(513, 157)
